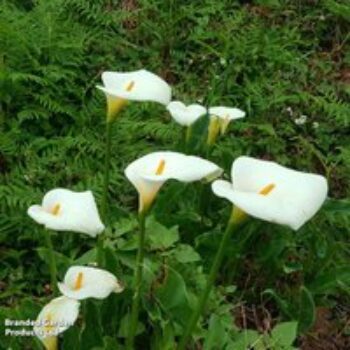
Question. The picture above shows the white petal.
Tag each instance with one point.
(250, 174)
(178, 166)
(147, 190)
(37, 213)
(294, 199)
(227, 112)
(58, 315)
(140, 85)
(94, 283)
(259, 206)
(222, 188)
(142, 173)
(185, 115)
(77, 212)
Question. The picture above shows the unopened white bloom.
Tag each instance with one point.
(225, 115)
(140, 85)
(82, 282)
(65, 210)
(55, 317)
(185, 115)
(220, 118)
(151, 171)
(271, 192)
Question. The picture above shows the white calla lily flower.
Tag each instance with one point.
(55, 317)
(185, 115)
(65, 210)
(220, 118)
(82, 282)
(151, 171)
(271, 192)
(140, 85)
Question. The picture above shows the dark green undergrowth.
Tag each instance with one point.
(281, 61)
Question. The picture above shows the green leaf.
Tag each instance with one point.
(109, 343)
(29, 308)
(284, 334)
(328, 281)
(216, 337)
(273, 248)
(131, 243)
(159, 236)
(124, 327)
(184, 254)
(111, 261)
(307, 313)
(91, 335)
(63, 262)
(283, 304)
(173, 296)
(71, 338)
(86, 258)
(11, 291)
(339, 9)
(246, 339)
(163, 337)
(268, 129)
(337, 206)
(198, 132)
(125, 225)
(321, 247)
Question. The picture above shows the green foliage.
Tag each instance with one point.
(277, 60)
(281, 337)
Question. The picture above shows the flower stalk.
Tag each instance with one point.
(104, 205)
(52, 261)
(106, 170)
(51, 343)
(137, 282)
(188, 134)
(213, 131)
(231, 227)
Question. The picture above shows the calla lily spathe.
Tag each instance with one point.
(65, 210)
(55, 317)
(271, 192)
(82, 282)
(220, 118)
(151, 171)
(140, 85)
(185, 115)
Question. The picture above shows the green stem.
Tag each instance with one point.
(231, 226)
(204, 200)
(52, 261)
(106, 170)
(208, 150)
(188, 134)
(104, 205)
(137, 283)
(182, 140)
